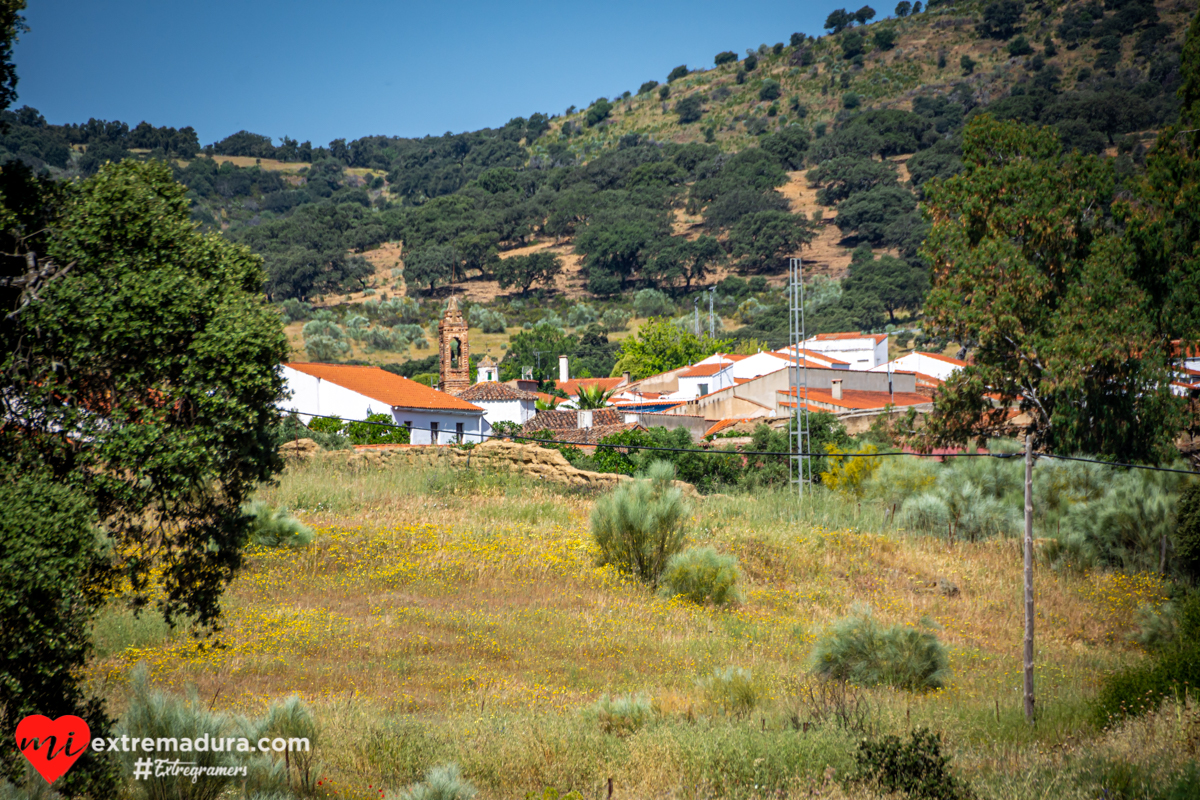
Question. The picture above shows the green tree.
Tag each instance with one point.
(761, 239)
(903, 8)
(157, 351)
(864, 15)
(1000, 19)
(967, 63)
(524, 271)
(870, 213)
(431, 266)
(769, 90)
(648, 86)
(884, 39)
(689, 109)
(679, 72)
(726, 57)
(1027, 271)
(593, 396)
(660, 346)
(1019, 46)
(537, 349)
(897, 283)
(598, 112)
(838, 20)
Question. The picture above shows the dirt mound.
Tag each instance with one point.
(499, 454)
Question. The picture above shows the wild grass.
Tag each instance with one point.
(461, 617)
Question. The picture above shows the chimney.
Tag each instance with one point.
(583, 419)
(564, 372)
(627, 375)
(836, 386)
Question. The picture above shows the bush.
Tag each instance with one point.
(325, 349)
(967, 63)
(155, 715)
(648, 86)
(1019, 46)
(581, 315)
(727, 57)
(857, 649)
(750, 63)
(652, 303)
(441, 783)
(770, 90)
(641, 524)
(275, 527)
(690, 109)
(679, 72)
(622, 715)
(1187, 533)
(731, 689)
(664, 92)
(702, 575)
(851, 100)
(1174, 671)
(486, 319)
(291, 719)
(615, 319)
(917, 767)
(884, 39)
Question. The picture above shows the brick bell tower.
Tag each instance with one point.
(455, 351)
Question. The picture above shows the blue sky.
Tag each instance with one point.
(323, 70)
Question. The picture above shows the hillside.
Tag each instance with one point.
(815, 147)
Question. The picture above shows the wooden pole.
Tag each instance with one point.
(1029, 717)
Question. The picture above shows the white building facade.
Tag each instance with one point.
(352, 393)
(860, 351)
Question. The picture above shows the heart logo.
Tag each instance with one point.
(52, 745)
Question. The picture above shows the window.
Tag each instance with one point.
(433, 433)
(458, 431)
(704, 388)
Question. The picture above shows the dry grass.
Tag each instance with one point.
(446, 616)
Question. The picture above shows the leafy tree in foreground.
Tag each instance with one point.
(1024, 268)
(153, 346)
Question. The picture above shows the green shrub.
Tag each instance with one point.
(1174, 671)
(291, 719)
(275, 527)
(155, 715)
(441, 783)
(731, 689)
(770, 90)
(859, 650)
(916, 768)
(641, 524)
(679, 72)
(486, 319)
(614, 319)
(623, 714)
(651, 303)
(581, 315)
(702, 575)
(1187, 532)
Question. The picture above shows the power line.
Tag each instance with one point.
(702, 451)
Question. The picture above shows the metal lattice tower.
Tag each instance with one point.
(798, 430)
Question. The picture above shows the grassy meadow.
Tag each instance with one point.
(460, 617)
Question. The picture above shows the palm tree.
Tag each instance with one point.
(547, 405)
(593, 396)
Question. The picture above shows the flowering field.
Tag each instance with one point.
(441, 617)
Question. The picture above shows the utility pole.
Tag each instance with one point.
(1029, 717)
(696, 308)
(712, 330)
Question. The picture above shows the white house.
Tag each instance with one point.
(487, 370)
(700, 379)
(350, 392)
(861, 351)
(501, 402)
(811, 358)
(935, 365)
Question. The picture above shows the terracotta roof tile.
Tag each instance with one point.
(940, 357)
(568, 419)
(386, 387)
(704, 370)
(592, 435)
(492, 391)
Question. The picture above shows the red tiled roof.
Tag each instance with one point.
(787, 352)
(725, 423)
(855, 399)
(940, 357)
(384, 386)
(569, 419)
(592, 435)
(493, 391)
(704, 370)
(830, 337)
(571, 387)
